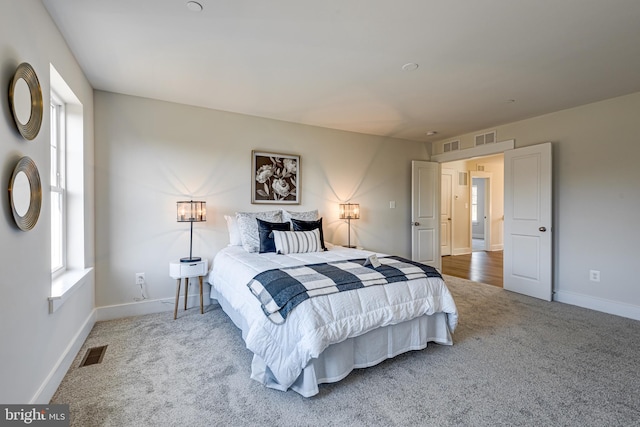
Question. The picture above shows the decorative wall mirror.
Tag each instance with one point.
(25, 98)
(25, 192)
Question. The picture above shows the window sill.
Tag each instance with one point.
(64, 285)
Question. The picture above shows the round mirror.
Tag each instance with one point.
(21, 193)
(25, 98)
(22, 102)
(25, 192)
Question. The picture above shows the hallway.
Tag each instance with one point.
(481, 266)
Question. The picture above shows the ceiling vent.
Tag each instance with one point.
(451, 146)
(485, 138)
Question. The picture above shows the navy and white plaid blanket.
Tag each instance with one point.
(281, 290)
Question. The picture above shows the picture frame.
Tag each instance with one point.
(275, 178)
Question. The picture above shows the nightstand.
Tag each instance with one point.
(184, 270)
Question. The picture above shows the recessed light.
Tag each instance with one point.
(431, 133)
(194, 6)
(410, 66)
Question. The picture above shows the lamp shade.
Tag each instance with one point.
(349, 211)
(191, 211)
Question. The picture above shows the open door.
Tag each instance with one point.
(425, 213)
(446, 212)
(527, 221)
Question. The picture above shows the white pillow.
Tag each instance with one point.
(296, 242)
(303, 216)
(248, 227)
(234, 231)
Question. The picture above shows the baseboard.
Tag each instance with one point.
(499, 247)
(598, 304)
(55, 377)
(140, 308)
(461, 251)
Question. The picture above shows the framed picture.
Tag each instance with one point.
(275, 178)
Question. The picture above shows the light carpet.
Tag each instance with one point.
(515, 361)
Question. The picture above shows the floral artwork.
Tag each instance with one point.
(275, 178)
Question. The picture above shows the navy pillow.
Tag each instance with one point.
(300, 225)
(265, 229)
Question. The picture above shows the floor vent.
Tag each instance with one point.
(94, 355)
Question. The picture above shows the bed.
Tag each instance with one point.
(327, 336)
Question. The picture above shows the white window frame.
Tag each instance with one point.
(58, 180)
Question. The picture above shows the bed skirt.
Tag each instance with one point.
(338, 360)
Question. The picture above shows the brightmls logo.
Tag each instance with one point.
(36, 415)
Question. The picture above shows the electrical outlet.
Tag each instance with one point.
(594, 275)
(139, 278)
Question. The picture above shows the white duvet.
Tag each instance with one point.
(320, 321)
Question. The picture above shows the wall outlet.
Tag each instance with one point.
(139, 278)
(392, 204)
(594, 275)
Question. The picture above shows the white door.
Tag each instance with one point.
(527, 221)
(446, 213)
(425, 213)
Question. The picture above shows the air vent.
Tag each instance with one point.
(93, 356)
(485, 138)
(451, 146)
(480, 168)
(462, 179)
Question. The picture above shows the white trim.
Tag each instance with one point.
(141, 308)
(482, 150)
(599, 304)
(55, 377)
(64, 285)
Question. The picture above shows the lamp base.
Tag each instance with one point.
(191, 259)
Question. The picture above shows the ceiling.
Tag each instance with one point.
(338, 63)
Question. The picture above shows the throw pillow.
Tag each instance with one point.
(265, 230)
(248, 227)
(295, 242)
(300, 225)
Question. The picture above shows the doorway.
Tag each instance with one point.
(477, 212)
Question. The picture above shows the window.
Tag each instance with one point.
(474, 203)
(69, 268)
(58, 190)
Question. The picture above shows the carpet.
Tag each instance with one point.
(515, 361)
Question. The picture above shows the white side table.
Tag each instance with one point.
(184, 270)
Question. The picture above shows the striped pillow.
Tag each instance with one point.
(296, 242)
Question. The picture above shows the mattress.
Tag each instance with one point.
(325, 337)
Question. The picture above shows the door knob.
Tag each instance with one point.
(415, 223)
(543, 229)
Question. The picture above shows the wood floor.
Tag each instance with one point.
(481, 266)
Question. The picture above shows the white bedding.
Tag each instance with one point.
(321, 321)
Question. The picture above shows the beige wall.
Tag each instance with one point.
(596, 199)
(150, 154)
(37, 346)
